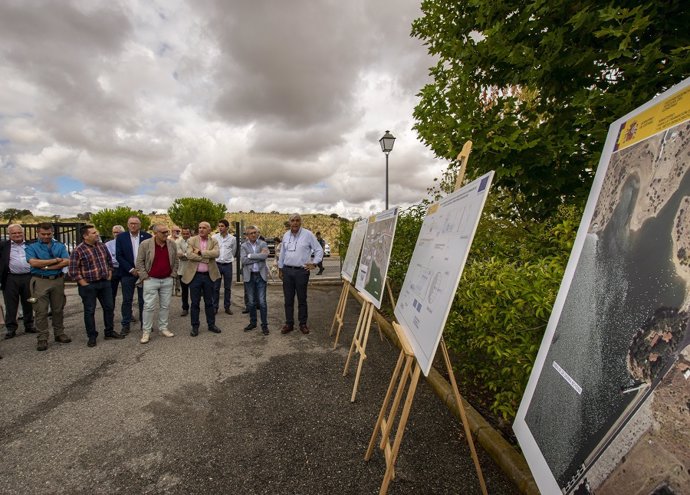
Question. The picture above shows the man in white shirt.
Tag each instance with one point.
(115, 279)
(294, 265)
(228, 247)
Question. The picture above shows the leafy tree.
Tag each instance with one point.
(105, 219)
(536, 84)
(191, 211)
(11, 214)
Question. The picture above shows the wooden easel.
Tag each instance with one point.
(361, 337)
(340, 312)
(405, 377)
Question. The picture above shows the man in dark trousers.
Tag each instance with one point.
(15, 278)
(126, 249)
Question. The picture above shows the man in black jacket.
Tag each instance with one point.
(15, 278)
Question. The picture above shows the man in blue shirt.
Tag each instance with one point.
(294, 265)
(47, 258)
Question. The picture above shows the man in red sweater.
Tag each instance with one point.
(156, 264)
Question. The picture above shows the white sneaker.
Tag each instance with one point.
(145, 338)
(167, 333)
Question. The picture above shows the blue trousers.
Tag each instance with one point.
(226, 278)
(255, 289)
(128, 284)
(102, 292)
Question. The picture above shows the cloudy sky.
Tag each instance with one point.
(261, 104)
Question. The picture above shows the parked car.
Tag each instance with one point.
(326, 249)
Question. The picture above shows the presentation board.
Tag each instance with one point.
(606, 406)
(376, 253)
(354, 248)
(436, 266)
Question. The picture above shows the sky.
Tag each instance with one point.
(262, 105)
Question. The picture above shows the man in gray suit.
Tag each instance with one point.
(255, 273)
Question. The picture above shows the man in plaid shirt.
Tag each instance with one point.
(91, 266)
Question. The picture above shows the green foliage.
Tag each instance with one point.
(506, 294)
(11, 214)
(342, 241)
(537, 89)
(105, 219)
(190, 211)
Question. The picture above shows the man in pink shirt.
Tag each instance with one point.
(200, 273)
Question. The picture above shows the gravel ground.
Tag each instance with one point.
(231, 413)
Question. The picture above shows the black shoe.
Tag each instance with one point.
(264, 330)
(194, 332)
(10, 335)
(245, 311)
(214, 329)
(42, 345)
(320, 272)
(184, 312)
(216, 311)
(91, 342)
(113, 335)
(30, 330)
(228, 311)
(249, 327)
(125, 330)
(63, 339)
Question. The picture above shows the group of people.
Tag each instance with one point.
(32, 275)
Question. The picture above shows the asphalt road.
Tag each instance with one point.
(230, 413)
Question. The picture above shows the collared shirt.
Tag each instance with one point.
(202, 267)
(254, 245)
(111, 249)
(41, 251)
(135, 244)
(296, 249)
(227, 246)
(91, 263)
(18, 263)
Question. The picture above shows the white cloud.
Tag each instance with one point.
(261, 105)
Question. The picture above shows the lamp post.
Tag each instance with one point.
(387, 142)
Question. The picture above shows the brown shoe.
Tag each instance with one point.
(228, 311)
(304, 329)
(287, 329)
(42, 345)
(63, 339)
(184, 312)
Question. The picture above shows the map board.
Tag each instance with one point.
(376, 254)
(436, 266)
(606, 406)
(354, 248)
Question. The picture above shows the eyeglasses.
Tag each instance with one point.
(166, 232)
(177, 231)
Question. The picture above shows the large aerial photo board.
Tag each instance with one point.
(354, 248)
(376, 254)
(436, 266)
(607, 407)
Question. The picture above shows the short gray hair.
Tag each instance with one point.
(295, 216)
(119, 228)
(13, 226)
(252, 227)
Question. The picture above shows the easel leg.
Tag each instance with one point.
(362, 348)
(355, 337)
(390, 467)
(384, 407)
(463, 416)
(340, 313)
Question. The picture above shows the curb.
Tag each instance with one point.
(504, 455)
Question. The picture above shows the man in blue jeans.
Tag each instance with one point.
(255, 273)
(91, 266)
(126, 249)
(227, 246)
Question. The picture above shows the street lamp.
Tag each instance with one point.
(387, 142)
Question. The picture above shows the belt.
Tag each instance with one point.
(294, 267)
(19, 274)
(49, 277)
(219, 263)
